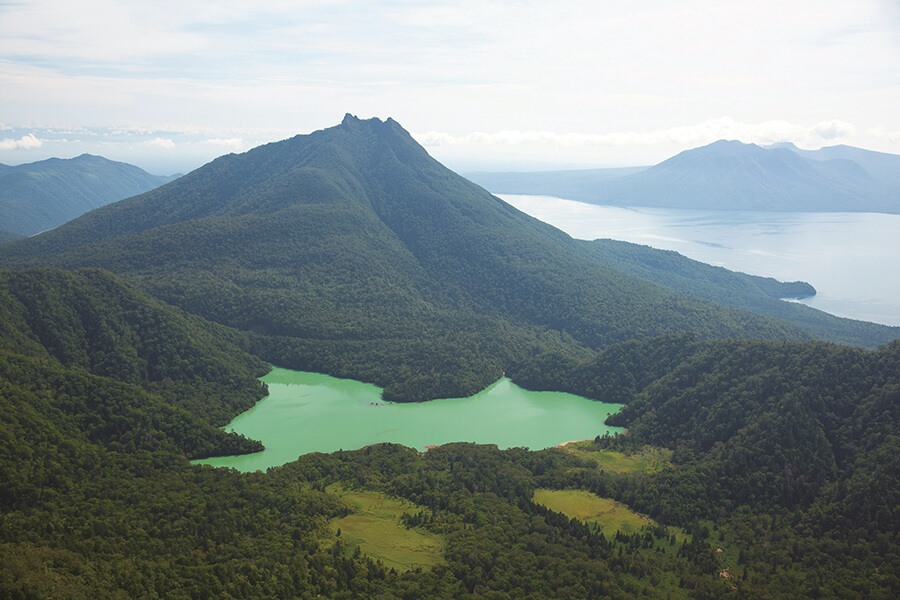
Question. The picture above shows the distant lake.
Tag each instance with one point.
(310, 412)
(852, 259)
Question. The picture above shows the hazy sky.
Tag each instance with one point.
(169, 85)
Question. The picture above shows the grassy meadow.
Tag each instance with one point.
(374, 526)
(610, 516)
(648, 459)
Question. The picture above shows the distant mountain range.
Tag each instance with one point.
(351, 251)
(42, 195)
(729, 175)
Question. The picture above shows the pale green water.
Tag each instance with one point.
(310, 412)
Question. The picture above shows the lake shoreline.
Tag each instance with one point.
(844, 256)
(312, 412)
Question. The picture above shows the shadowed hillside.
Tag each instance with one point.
(39, 196)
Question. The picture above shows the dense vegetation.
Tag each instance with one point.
(792, 447)
(783, 455)
(98, 498)
(38, 196)
(351, 251)
(90, 321)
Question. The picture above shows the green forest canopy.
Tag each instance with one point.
(785, 455)
(350, 251)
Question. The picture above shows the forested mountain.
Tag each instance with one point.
(351, 251)
(783, 481)
(729, 175)
(38, 196)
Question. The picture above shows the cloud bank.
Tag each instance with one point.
(766, 132)
(26, 142)
(160, 143)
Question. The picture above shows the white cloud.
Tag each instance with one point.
(160, 143)
(881, 133)
(702, 133)
(834, 130)
(26, 142)
(571, 81)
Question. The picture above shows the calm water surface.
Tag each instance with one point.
(310, 412)
(852, 259)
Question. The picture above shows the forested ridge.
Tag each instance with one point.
(351, 251)
(794, 446)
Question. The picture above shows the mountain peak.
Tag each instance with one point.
(787, 145)
(351, 120)
(730, 146)
(353, 123)
(728, 143)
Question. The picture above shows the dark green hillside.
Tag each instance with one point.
(97, 499)
(351, 251)
(39, 196)
(777, 424)
(792, 448)
(762, 424)
(93, 322)
(759, 295)
(785, 457)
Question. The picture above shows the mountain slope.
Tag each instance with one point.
(880, 165)
(729, 175)
(93, 322)
(734, 176)
(42, 195)
(118, 364)
(351, 251)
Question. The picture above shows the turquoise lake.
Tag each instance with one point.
(310, 412)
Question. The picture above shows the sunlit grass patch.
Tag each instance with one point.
(648, 459)
(374, 526)
(609, 515)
